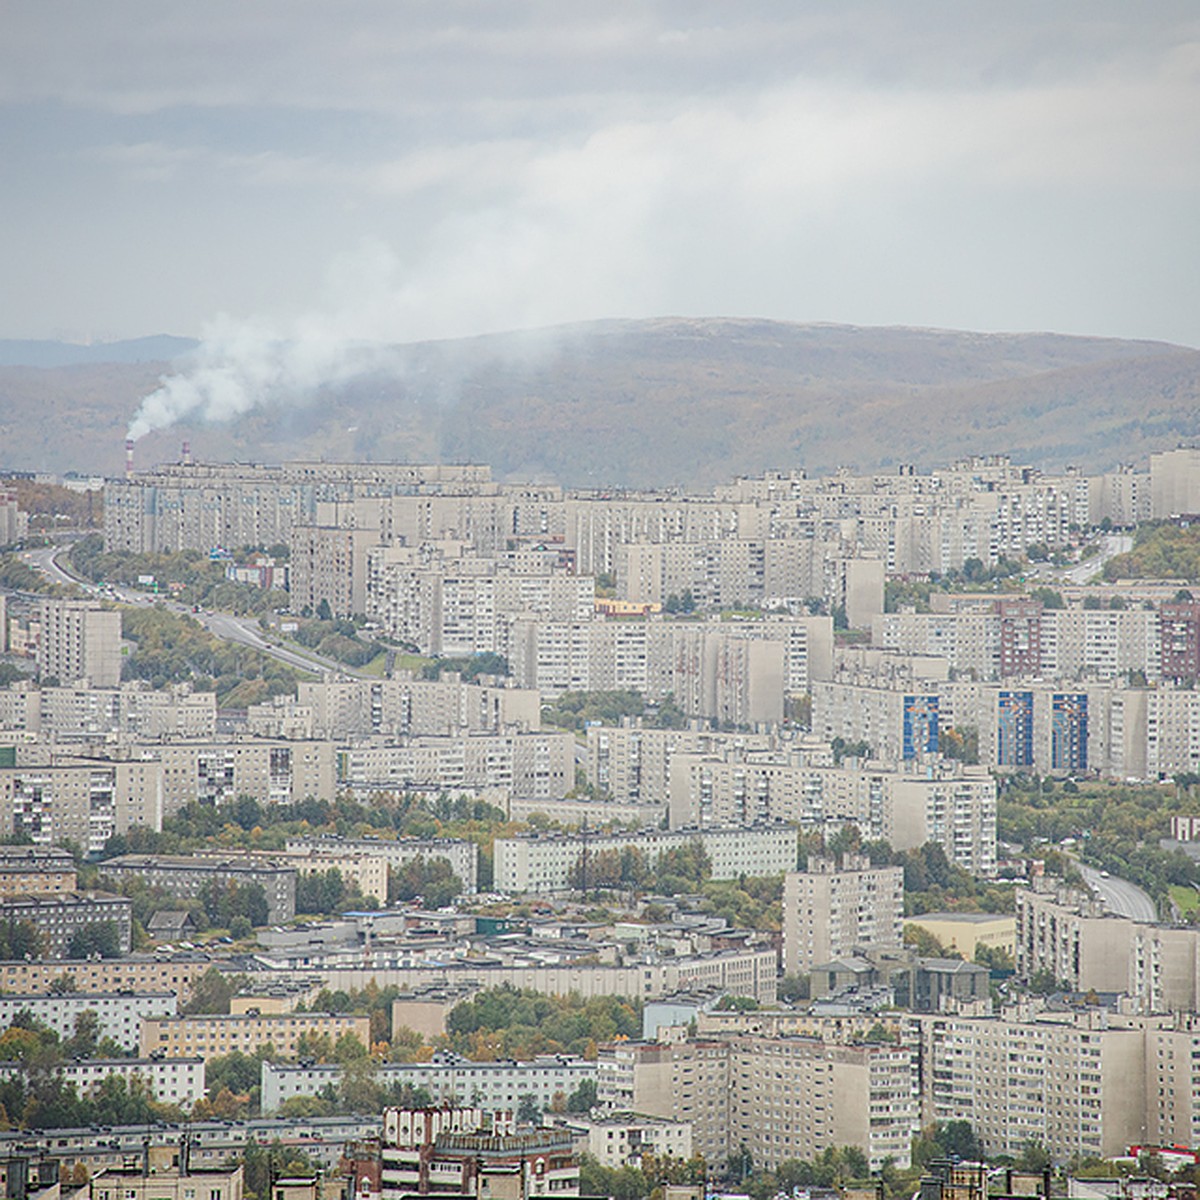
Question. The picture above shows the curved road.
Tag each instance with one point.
(229, 628)
(1120, 896)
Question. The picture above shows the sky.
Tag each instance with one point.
(336, 172)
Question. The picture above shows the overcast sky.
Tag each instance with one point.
(387, 169)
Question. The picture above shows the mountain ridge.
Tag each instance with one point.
(663, 401)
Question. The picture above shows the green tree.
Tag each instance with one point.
(100, 938)
(583, 1098)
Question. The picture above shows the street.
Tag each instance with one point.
(244, 630)
(1119, 896)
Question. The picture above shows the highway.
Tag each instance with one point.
(1119, 896)
(244, 630)
(1111, 544)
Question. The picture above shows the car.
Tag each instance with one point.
(1103, 874)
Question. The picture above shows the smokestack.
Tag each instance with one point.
(129, 458)
(187, 454)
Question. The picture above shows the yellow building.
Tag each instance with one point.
(965, 931)
(135, 974)
(215, 1036)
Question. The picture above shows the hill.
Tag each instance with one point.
(666, 402)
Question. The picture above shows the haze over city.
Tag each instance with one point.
(600, 600)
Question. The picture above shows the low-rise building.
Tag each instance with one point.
(186, 876)
(468, 1152)
(175, 973)
(966, 932)
(177, 1081)
(136, 1183)
(35, 869)
(460, 854)
(59, 917)
(495, 1087)
(550, 862)
(617, 1140)
(120, 1014)
(215, 1036)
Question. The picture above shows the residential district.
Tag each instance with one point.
(383, 830)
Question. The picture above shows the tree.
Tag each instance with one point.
(212, 992)
(19, 939)
(529, 1112)
(432, 879)
(85, 1039)
(100, 938)
(359, 1086)
(583, 1098)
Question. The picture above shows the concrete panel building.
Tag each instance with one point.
(216, 1036)
(545, 863)
(60, 916)
(186, 877)
(831, 910)
(79, 641)
(120, 1014)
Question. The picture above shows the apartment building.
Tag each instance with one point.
(83, 713)
(750, 971)
(1069, 934)
(463, 856)
(134, 973)
(35, 869)
(186, 877)
(14, 524)
(537, 764)
(215, 1036)
(404, 707)
(79, 640)
(617, 1140)
(1071, 1082)
(908, 805)
(59, 916)
(165, 1183)
(690, 1082)
(1174, 482)
(120, 1014)
(495, 1087)
(69, 797)
(782, 1098)
(633, 763)
(133, 710)
(169, 1080)
(271, 771)
(467, 1151)
(544, 863)
(198, 506)
(833, 909)
(1066, 933)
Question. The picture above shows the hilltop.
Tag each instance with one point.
(668, 401)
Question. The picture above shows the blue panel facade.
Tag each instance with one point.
(1069, 731)
(920, 725)
(1014, 730)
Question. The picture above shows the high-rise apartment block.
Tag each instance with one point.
(834, 909)
(79, 641)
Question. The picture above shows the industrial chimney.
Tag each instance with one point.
(186, 454)
(129, 458)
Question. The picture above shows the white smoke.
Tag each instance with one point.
(244, 365)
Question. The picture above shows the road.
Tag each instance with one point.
(244, 630)
(1120, 896)
(1111, 544)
